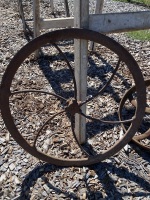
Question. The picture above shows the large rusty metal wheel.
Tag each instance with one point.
(130, 96)
(38, 98)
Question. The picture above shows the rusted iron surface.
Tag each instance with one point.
(72, 106)
(129, 95)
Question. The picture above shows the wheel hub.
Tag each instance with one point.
(73, 107)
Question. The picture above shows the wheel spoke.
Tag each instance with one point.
(107, 122)
(105, 86)
(134, 103)
(38, 133)
(70, 68)
(27, 29)
(35, 142)
(38, 91)
(143, 136)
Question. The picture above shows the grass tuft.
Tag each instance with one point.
(144, 2)
(142, 35)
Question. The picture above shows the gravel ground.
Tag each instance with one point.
(125, 175)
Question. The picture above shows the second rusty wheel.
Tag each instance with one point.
(38, 98)
(130, 96)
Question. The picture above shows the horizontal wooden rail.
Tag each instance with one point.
(120, 22)
(57, 23)
(105, 23)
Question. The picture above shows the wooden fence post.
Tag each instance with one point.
(99, 6)
(52, 5)
(66, 8)
(36, 20)
(98, 10)
(81, 16)
(36, 17)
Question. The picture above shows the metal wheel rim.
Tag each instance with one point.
(135, 139)
(68, 34)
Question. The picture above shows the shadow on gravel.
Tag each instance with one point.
(140, 151)
(58, 77)
(108, 184)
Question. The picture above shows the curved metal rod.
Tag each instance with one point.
(44, 125)
(142, 136)
(134, 103)
(80, 146)
(136, 139)
(39, 91)
(107, 122)
(104, 87)
(147, 148)
(25, 25)
(70, 67)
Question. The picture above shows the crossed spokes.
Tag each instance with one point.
(54, 112)
(72, 106)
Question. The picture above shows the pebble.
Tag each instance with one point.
(1, 160)
(7, 136)
(44, 193)
(47, 189)
(2, 140)
(17, 181)
(12, 166)
(2, 178)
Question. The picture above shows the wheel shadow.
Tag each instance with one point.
(45, 63)
(106, 182)
(55, 78)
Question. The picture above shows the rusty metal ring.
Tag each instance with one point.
(136, 139)
(53, 38)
